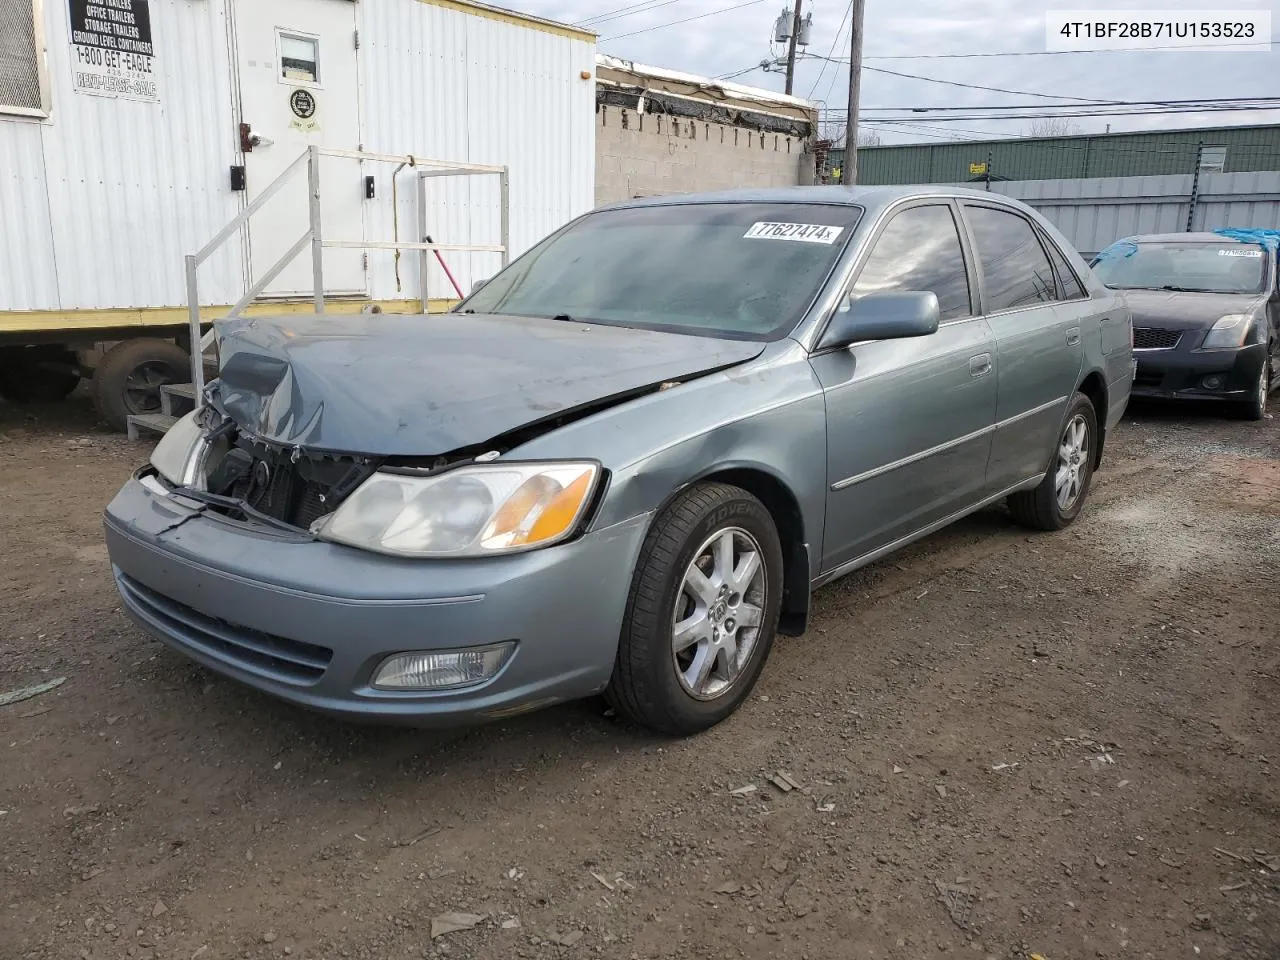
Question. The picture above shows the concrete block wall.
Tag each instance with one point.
(652, 154)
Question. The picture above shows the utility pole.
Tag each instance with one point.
(791, 48)
(849, 169)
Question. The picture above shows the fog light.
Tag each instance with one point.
(442, 670)
(1212, 383)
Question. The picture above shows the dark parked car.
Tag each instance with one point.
(1206, 316)
(624, 463)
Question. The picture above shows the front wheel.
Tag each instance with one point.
(1060, 497)
(702, 613)
(1255, 408)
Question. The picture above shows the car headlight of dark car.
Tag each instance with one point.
(1228, 332)
(472, 511)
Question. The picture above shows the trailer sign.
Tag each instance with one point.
(111, 49)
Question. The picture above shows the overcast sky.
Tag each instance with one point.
(731, 41)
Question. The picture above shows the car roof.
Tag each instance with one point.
(871, 198)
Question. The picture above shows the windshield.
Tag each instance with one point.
(1203, 267)
(737, 270)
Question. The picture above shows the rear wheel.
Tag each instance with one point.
(702, 613)
(128, 379)
(1060, 497)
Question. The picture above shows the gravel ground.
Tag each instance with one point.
(1005, 745)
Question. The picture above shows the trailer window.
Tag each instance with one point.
(299, 58)
(23, 86)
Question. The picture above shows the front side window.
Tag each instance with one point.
(920, 250)
(1224, 267)
(1015, 270)
(738, 270)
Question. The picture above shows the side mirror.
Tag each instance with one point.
(883, 316)
(477, 285)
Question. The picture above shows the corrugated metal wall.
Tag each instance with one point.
(446, 84)
(1096, 212)
(1155, 153)
(101, 201)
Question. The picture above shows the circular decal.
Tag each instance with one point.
(302, 103)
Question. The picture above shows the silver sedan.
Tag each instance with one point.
(622, 465)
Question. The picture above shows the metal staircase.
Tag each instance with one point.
(179, 398)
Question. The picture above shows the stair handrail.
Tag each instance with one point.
(314, 237)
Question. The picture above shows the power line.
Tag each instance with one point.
(978, 86)
(919, 130)
(672, 23)
(834, 43)
(1208, 102)
(1054, 53)
(1095, 113)
(891, 127)
(737, 73)
(628, 10)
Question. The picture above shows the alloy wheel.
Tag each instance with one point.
(1073, 462)
(718, 613)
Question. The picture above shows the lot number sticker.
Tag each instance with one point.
(1239, 253)
(802, 232)
(111, 49)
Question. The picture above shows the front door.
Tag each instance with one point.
(908, 421)
(299, 87)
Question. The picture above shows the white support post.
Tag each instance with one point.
(193, 324)
(317, 244)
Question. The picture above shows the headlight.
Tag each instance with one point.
(1228, 332)
(468, 512)
(181, 452)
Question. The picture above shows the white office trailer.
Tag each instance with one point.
(132, 132)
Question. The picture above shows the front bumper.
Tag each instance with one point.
(1182, 373)
(309, 622)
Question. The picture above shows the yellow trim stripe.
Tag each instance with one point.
(514, 18)
(55, 321)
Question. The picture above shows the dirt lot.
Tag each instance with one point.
(1065, 745)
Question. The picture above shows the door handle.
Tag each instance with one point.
(980, 365)
(1073, 336)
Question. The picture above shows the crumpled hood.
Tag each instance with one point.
(1171, 310)
(401, 385)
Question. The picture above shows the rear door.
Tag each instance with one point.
(1039, 342)
(908, 421)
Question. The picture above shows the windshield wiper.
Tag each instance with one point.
(1176, 289)
(563, 316)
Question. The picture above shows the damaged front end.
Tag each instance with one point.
(392, 436)
(208, 458)
(443, 507)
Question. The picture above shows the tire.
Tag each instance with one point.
(1042, 508)
(1256, 407)
(37, 374)
(653, 684)
(128, 379)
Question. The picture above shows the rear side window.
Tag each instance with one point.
(1070, 283)
(920, 250)
(1015, 270)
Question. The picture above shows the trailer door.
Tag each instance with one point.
(298, 86)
